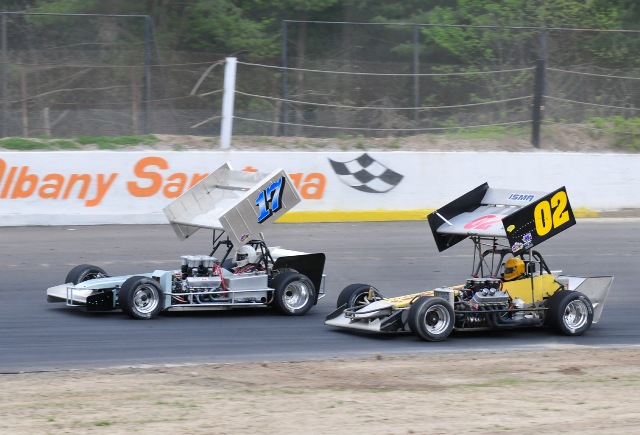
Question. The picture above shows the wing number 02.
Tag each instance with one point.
(269, 200)
(551, 214)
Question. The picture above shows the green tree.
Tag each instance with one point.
(489, 46)
(15, 5)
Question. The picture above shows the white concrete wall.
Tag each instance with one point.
(67, 188)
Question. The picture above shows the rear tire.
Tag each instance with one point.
(294, 293)
(84, 272)
(141, 297)
(569, 313)
(356, 295)
(431, 318)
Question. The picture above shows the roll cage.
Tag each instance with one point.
(488, 262)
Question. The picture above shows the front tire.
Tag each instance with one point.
(84, 272)
(569, 312)
(358, 295)
(294, 293)
(141, 297)
(431, 318)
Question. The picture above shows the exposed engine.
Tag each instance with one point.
(479, 295)
(198, 265)
(202, 280)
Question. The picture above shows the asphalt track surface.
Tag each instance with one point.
(396, 257)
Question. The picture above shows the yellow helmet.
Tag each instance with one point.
(513, 268)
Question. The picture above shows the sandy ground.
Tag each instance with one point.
(577, 390)
(556, 139)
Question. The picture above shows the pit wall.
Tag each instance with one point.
(106, 187)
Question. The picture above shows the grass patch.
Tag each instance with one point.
(381, 390)
(102, 423)
(494, 132)
(102, 142)
(19, 144)
(624, 132)
(65, 144)
(176, 404)
(111, 142)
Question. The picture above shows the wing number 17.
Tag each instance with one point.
(551, 214)
(269, 200)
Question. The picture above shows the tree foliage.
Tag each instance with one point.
(252, 27)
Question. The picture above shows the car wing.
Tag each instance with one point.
(524, 218)
(240, 203)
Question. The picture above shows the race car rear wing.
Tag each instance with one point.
(524, 218)
(237, 202)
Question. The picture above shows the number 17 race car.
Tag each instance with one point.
(237, 206)
(510, 285)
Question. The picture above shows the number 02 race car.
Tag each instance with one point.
(510, 284)
(237, 206)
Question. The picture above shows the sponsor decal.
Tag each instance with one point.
(269, 201)
(540, 220)
(150, 176)
(366, 174)
(244, 237)
(521, 197)
(527, 242)
(310, 186)
(484, 222)
(19, 182)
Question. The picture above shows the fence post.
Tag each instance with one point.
(5, 93)
(538, 91)
(284, 110)
(229, 89)
(416, 71)
(147, 73)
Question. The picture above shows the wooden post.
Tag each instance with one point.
(47, 122)
(538, 93)
(25, 104)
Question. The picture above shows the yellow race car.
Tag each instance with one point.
(510, 285)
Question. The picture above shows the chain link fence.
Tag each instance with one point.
(73, 75)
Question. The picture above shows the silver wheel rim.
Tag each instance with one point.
(91, 275)
(145, 298)
(296, 295)
(437, 319)
(363, 299)
(575, 315)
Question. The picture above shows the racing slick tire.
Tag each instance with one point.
(431, 318)
(141, 297)
(84, 272)
(355, 295)
(294, 293)
(569, 312)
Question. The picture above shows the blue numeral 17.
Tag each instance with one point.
(269, 200)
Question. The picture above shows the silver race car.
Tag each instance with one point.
(236, 206)
(510, 284)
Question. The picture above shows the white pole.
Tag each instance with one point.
(227, 102)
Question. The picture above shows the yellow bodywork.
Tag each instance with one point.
(405, 301)
(543, 286)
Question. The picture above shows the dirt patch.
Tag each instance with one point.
(557, 138)
(554, 138)
(576, 390)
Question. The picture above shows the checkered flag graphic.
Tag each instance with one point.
(366, 174)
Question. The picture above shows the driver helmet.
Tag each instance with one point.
(513, 268)
(245, 255)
